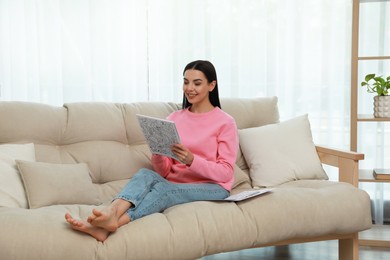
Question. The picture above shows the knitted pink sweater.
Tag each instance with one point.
(212, 138)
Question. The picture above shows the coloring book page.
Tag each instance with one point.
(160, 134)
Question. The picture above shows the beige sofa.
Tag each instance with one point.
(72, 158)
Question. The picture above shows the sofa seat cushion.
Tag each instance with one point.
(299, 209)
(309, 208)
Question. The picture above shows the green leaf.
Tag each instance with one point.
(380, 80)
(369, 77)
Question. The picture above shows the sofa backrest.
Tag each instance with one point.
(106, 136)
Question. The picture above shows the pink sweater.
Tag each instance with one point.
(212, 138)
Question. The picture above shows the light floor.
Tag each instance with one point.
(327, 250)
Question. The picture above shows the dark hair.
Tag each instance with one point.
(209, 71)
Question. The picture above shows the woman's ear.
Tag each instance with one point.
(212, 85)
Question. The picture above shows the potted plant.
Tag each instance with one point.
(381, 86)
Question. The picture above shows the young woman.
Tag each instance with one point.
(208, 152)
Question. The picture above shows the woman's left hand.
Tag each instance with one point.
(183, 153)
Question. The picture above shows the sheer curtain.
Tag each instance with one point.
(57, 51)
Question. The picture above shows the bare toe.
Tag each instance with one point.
(99, 234)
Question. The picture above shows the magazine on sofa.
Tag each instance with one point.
(247, 194)
(160, 134)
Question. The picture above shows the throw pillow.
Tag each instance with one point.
(51, 184)
(12, 192)
(282, 152)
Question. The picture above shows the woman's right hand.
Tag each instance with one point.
(183, 153)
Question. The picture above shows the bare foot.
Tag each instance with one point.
(99, 234)
(106, 218)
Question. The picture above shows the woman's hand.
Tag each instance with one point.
(183, 153)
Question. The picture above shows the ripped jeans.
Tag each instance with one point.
(150, 193)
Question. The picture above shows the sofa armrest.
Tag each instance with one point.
(346, 161)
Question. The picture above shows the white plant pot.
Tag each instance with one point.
(382, 106)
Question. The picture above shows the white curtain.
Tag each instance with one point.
(57, 51)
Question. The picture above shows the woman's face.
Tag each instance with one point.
(196, 87)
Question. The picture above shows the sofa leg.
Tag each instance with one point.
(349, 248)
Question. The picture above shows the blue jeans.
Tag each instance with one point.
(150, 193)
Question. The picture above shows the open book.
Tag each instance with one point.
(160, 134)
(246, 194)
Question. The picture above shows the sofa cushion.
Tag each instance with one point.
(12, 192)
(278, 153)
(49, 184)
(31, 122)
(299, 209)
(89, 121)
(252, 112)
